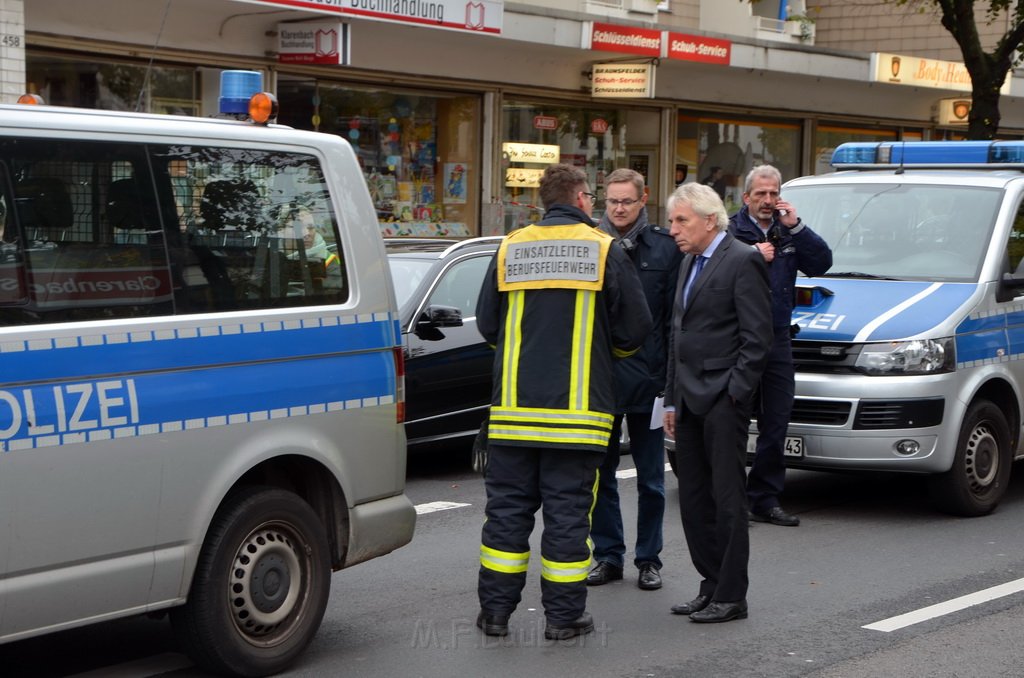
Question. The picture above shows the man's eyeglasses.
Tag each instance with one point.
(591, 196)
(628, 202)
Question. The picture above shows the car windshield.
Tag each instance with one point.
(901, 231)
(407, 275)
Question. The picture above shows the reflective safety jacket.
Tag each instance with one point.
(559, 303)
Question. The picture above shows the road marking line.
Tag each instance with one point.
(940, 609)
(631, 472)
(435, 506)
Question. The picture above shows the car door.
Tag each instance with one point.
(448, 368)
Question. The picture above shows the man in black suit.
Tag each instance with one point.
(718, 344)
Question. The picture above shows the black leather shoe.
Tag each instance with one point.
(776, 516)
(720, 612)
(492, 624)
(695, 605)
(603, 573)
(650, 577)
(581, 625)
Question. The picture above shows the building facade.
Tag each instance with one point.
(456, 106)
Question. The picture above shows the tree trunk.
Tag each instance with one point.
(983, 122)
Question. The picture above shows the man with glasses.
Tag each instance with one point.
(638, 381)
(560, 302)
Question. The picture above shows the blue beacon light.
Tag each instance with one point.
(936, 153)
(236, 88)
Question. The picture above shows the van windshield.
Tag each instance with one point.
(901, 231)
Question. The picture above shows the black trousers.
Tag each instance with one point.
(711, 461)
(519, 481)
(775, 405)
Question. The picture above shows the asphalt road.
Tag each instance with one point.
(869, 550)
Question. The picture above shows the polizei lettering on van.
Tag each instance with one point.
(68, 408)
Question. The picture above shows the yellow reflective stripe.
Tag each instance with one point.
(550, 436)
(599, 419)
(504, 561)
(623, 353)
(513, 342)
(564, 572)
(582, 336)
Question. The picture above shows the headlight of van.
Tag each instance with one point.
(919, 356)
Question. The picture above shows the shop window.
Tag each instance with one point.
(420, 153)
(113, 85)
(594, 139)
(735, 146)
(828, 137)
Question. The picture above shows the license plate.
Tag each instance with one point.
(792, 447)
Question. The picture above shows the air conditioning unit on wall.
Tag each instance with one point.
(952, 111)
(642, 6)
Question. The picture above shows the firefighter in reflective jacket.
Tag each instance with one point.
(559, 304)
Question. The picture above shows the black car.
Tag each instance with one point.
(447, 363)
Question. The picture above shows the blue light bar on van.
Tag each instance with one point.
(236, 87)
(929, 153)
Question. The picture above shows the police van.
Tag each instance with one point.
(910, 351)
(201, 378)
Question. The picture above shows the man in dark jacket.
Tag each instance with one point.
(560, 302)
(769, 223)
(638, 381)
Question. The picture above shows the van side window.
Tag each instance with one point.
(255, 229)
(83, 231)
(101, 230)
(1015, 246)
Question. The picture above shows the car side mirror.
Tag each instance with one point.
(435, 317)
(1009, 286)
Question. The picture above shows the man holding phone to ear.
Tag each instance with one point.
(770, 224)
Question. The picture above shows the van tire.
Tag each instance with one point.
(259, 535)
(981, 467)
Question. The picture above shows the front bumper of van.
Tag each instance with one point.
(894, 423)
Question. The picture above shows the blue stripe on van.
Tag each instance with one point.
(222, 343)
(219, 376)
(924, 314)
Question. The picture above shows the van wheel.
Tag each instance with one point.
(260, 587)
(981, 468)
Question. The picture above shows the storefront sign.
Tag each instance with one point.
(598, 126)
(545, 153)
(482, 16)
(910, 70)
(545, 122)
(612, 38)
(623, 81)
(313, 43)
(698, 48)
(523, 178)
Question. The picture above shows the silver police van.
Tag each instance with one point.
(910, 352)
(201, 380)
